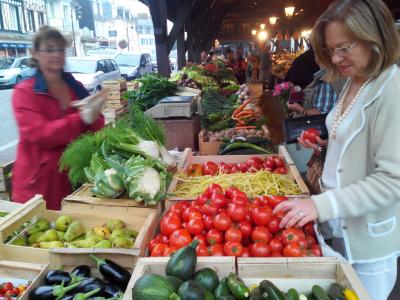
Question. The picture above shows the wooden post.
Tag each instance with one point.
(189, 41)
(181, 59)
(158, 11)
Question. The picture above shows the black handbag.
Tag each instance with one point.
(292, 128)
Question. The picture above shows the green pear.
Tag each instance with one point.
(131, 232)
(39, 225)
(115, 225)
(84, 243)
(118, 233)
(75, 229)
(103, 244)
(34, 237)
(69, 245)
(52, 244)
(60, 235)
(19, 241)
(48, 236)
(95, 238)
(122, 242)
(63, 222)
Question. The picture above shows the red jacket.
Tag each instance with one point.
(44, 132)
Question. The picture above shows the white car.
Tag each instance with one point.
(92, 71)
(13, 70)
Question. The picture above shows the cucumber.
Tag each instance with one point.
(237, 287)
(192, 290)
(208, 295)
(153, 287)
(335, 291)
(273, 292)
(183, 262)
(256, 294)
(292, 294)
(208, 278)
(319, 293)
(175, 282)
(221, 290)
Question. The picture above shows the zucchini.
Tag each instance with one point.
(237, 287)
(242, 145)
(273, 292)
(153, 287)
(208, 278)
(221, 290)
(319, 293)
(335, 291)
(292, 294)
(175, 282)
(256, 294)
(208, 295)
(183, 262)
(192, 290)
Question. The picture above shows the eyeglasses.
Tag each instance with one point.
(52, 50)
(342, 51)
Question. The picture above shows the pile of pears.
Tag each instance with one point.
(67, 233)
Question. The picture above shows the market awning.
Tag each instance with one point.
(15, 45)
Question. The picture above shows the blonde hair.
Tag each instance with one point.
(367, 21)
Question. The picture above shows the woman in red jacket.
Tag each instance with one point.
(48, 122)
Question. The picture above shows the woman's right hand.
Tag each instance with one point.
(307, 144)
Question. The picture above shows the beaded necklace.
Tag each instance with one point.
(339, 116)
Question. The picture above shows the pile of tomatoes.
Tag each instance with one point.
(8, 290)
(272, 163)
(229, 223)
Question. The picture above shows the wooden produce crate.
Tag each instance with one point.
(144, 223)
(114, 85)
(156, 265)
(293, 173)
(13, 209)
(300, 273)
(132, 85)
(83, 199)
(68, 261)
(116, 96)
(5, 177)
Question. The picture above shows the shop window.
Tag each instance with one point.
(10, 17)
(31, 21)
(151, 42)
(41, 18)
(120, 12)
(148, 29)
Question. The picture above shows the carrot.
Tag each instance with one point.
(240, 108)
(245, 113)
(245, 127)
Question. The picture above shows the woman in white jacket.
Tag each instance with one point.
(361, 179)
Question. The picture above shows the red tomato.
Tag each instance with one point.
(184, 203)
(311, 134)
(269, 163)
(240, 198)
(260, 249)
(237, 212)
(261, 234)
(214, 188)
(201, 238)
(186, 213)
(169, 224)
(201, 250)
(233, 249)
(273, 225)
(216, 250)
(230, 191)
(159, 249)
(233, 235)
(316, 250)
(254, 160)
(261, 215)
(281, 170)
(246, 241)
(209, 209)
(256, 201)
(210, 168)
(180, 238)
(309, 229)
(246, 252)
(292, 249)
(195, 170)
(150, 246)
(195, 215)
(222, 222)
(225, 169)
(279, 162)
(276, 254)
(303, 243)
(201, 199)
(310, 241)
(273, 201)
(162, 238)
(245, 227)
(214, 236)
(208, 222)
(178, 209)
(195, 226)
(292, 235)
(234, 170)
(276, 245)
(219, 200)
(172, 214)
(169, 251)
(242, 167)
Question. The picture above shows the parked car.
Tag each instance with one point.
(132, 65)
(102, 51)
(13, 70)
(92, 71)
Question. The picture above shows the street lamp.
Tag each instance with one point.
(289, 11)
(272, 20)
(75, 6)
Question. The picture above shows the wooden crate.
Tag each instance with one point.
(114, 85)
(5, 177)
(115, 95)
(13, 209)
(83, 199)
(144, 223)
(68, 261)
(132, 85)
(156, 265)
(191, 159)
(300, 273)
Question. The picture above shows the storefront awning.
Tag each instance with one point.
(15, 45)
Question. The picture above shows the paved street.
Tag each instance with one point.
(8, 129)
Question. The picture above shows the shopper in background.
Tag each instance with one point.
(203, 56)
(303, 69)
(230, 61)
(240, 68)
(266, 65)
(47, 121)
(361, 176)
(210, 57)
